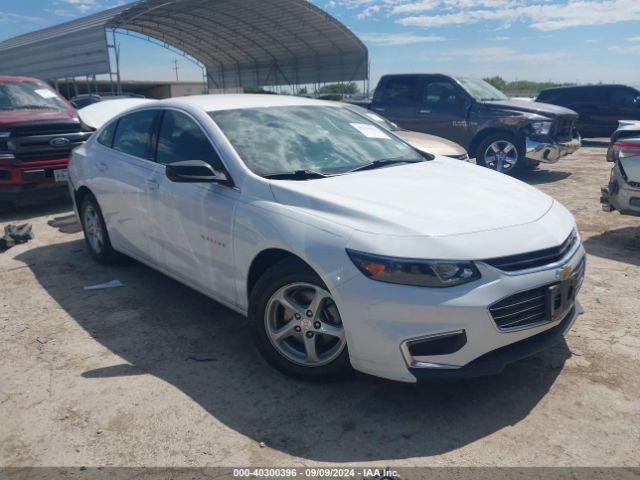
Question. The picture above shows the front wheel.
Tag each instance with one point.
(296, 323)
(500, 152)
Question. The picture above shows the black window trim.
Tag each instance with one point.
(113, 135)
(156, 134)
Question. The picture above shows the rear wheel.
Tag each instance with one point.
(297, 326)
(500, 152)
(95, 231)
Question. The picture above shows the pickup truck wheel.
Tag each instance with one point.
(500, 152)
(296, 323)
(95, 231)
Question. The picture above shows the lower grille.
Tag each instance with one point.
(539, 258)
(534, 306)
(526, 308)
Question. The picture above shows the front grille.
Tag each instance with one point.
(526, 308)
(31, 142)
(564, 128)
(539, 258)
(530, 307)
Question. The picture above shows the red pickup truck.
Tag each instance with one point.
(38, 130)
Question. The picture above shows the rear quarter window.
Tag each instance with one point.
(133, 134)
(106, 135)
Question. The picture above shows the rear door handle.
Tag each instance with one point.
(379, 109)
(102, 167)
(425, 111)
(152, 185)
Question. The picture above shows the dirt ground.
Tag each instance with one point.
(155, 374)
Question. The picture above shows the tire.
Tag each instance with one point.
(294, 283)
(513, 159)
(95, 232)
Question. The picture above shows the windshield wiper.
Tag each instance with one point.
(296, 175)
(383, 163)
(33, 107)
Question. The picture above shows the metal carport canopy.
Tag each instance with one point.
(240, 42)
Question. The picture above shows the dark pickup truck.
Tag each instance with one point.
(502, 134)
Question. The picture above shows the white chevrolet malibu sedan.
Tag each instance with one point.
(344, 246)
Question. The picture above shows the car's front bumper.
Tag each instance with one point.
(380, 318)
(548, 151)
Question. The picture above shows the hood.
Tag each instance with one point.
(432, 198)
(97, 114)
(539, 108)
(431, 144)
(11, 117)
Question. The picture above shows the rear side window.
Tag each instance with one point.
(181, 139)
(133, 134)
(106, 135)
(399, 91)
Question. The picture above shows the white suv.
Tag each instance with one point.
(344, 245)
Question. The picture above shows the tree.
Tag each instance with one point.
(349, 88)
(498, 82)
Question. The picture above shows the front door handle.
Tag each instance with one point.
(102, 167)
(152, 185)
(379, 109)
(425, 111)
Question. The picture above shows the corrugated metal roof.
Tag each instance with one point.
(241, 42)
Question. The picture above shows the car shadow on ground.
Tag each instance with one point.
(539, 177)
(162, 328)
(25, 213)
(621, 244)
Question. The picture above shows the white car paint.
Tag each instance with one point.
(207, 235)
(97, 114)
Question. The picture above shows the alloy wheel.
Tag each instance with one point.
(303, 324)
(501, 155)
(93, 229)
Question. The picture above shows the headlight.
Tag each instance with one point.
(421, 273)
(541, 128)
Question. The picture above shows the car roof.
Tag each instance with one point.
(212, 103)
(578, 87)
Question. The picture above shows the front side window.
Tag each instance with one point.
(133, 134)
(29, 96)
(440, 94)
(624, 97)
(181, 139)
(329, 140)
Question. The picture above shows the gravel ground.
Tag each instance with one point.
(155, 374)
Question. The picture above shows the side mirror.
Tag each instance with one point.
(194, 171)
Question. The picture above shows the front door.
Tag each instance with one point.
(193, 238)
(443, 109)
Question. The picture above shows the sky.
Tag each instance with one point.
(583, 41)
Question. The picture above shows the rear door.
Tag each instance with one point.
(193, 238)
(124, 170)
(396, 98)
(443, 109)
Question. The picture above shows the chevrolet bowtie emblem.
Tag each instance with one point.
(565, 272)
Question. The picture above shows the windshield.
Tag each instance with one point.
(383, 122)
(328, 140)
(481, 90)
(29, 95)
